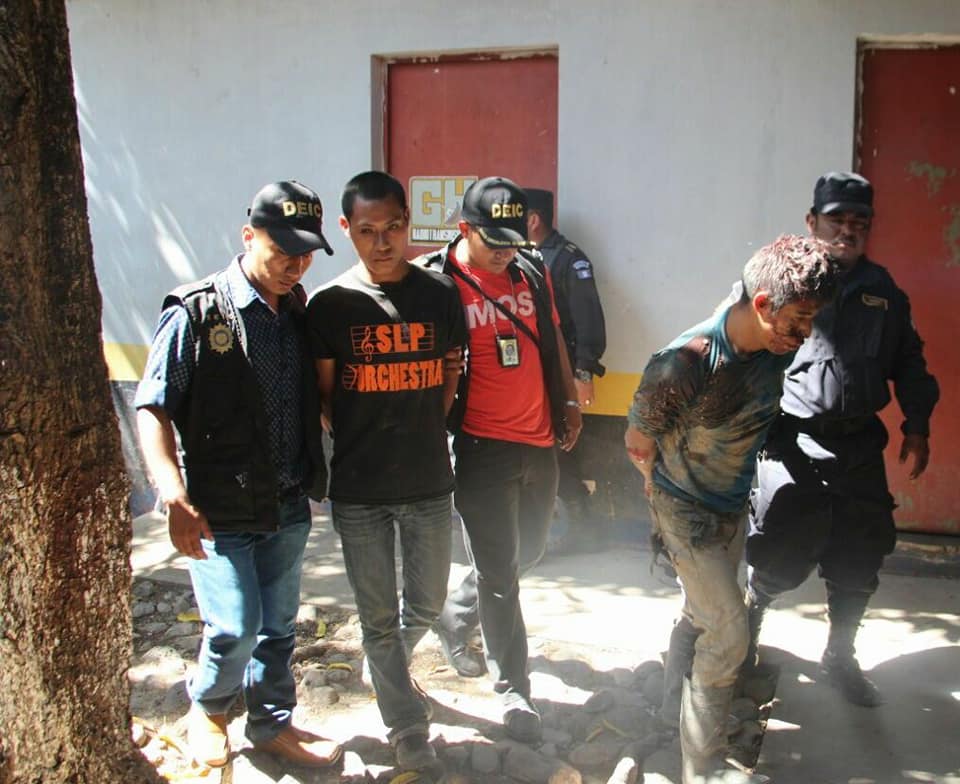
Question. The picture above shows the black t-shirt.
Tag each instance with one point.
(390, 438)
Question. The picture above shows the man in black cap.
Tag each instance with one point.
(515, 401)
(584, 331)
(230, 370)
(822, 498)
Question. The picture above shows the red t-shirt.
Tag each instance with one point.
(505, 403)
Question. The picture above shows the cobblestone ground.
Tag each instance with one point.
(600, 725)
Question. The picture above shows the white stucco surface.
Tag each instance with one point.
(690, 132)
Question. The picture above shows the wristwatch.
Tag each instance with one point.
(583, 375)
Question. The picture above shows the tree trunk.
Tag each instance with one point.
(65, 531)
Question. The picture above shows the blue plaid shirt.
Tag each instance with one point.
(273, 349)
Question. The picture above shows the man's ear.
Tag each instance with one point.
(344, 225)
(762, 302)
(246, 234)
(811, 221)
(464, 228)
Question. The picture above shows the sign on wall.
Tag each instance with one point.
(435, 207)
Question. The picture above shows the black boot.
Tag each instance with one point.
(839, 662)
(756, 607)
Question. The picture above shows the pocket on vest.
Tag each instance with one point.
(224, 493)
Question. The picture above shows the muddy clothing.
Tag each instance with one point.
(708, 409)
(822, 497)
(575, 289)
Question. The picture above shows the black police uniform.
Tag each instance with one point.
(822, 497)
(584, 331)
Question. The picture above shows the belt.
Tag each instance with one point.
(830, 428)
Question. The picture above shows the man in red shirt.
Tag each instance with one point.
(516, 400)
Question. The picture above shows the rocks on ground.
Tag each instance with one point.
(599, 726)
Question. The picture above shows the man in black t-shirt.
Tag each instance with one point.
(379, 334)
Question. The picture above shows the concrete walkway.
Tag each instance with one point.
(608, 610)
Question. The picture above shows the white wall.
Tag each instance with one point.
(690, 131)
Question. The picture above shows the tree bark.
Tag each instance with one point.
(65, 532)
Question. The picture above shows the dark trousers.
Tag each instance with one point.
(571, 489)
(504, 495)
(820, 503)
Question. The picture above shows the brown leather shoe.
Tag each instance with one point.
(207, 738)
(302, 748)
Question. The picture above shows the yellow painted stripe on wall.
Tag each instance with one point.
(125, 361)
(614, 393)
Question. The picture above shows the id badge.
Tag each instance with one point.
(508, 350)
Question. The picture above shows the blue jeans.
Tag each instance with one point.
(248, 592)
(390, 628)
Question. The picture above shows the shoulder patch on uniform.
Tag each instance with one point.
(583, 269)
(872, 301)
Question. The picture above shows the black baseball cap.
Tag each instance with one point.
(291, 213)
(497, 208)
(843, 192)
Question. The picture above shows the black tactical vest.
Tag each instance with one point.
(222, 423)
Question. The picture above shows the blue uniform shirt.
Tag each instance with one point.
(274, 352)
(860, 343)
(709, 410)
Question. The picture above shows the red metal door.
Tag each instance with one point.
(451, 121)
(910, 149)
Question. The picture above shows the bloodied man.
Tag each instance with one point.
(698, 419)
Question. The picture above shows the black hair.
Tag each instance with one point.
(371, 186)
(545, 212)
(541, 201)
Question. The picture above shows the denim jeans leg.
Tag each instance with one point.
(368, 537)
(269, 688)
(425, 548)
(225, 587)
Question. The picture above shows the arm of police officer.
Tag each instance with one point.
(916, 448)
(187, 524)
(587, 315)
(916, 390)
(573, 421)
(326, 377)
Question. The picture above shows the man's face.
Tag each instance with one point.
(271, 271)
(786, 329)
(378, 231)
(845, 232)
(481, 255)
